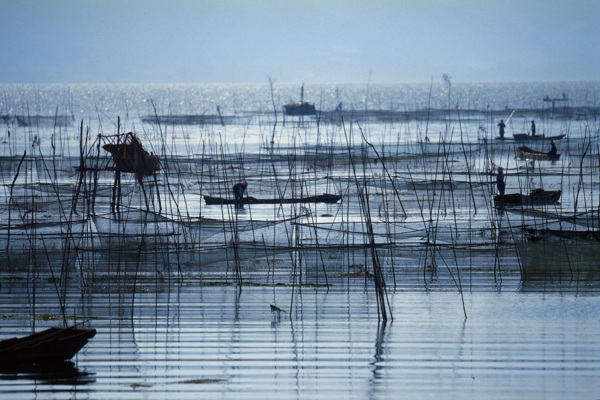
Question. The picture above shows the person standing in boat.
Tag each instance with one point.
(553, 151)
(502, 125)
(238, 193)
(532, 128)
(500, 181)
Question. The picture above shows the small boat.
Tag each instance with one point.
(299, 108)
(53, 345)
(525, 137)
(560, 253)
(536, 197)
(324, 198)
(525, 153)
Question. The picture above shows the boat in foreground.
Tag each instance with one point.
(50, 346)
(324, 198)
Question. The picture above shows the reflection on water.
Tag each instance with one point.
(65, 373)
(192, 341)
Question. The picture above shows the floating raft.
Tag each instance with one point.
(324, 198)
(46, 347)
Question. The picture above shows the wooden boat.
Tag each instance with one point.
(324, 198)
(527, 137)
(299, 108)
(536, 197)
(560, 253)
(526, 153)
(50, 346)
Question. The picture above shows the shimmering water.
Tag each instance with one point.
(278, 301)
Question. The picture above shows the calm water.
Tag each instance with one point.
(197, 301)
(190, 341)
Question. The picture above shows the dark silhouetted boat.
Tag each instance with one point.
(324, 198)
(299, 108)
(53, 345)
(526, 153)
(522, 137)
(535, 198)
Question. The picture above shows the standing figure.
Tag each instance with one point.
(553, 151)
(502, 125)
(238, 193)
(532, 128)
(500, 181)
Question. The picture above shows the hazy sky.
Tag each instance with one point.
(106, 41)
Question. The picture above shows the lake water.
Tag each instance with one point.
(280, 301)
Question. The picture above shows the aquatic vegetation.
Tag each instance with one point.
(83, 237)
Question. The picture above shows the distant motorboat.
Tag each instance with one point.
(526, 153)
(299, 108)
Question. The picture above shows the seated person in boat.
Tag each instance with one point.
(553, 151)
(238, 193)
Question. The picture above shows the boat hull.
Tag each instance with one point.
(535, 198)
(527, 137)
(50, 346)
(299, 108)
(525, 153)
(324, 198)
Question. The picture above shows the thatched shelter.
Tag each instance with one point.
(130, 156)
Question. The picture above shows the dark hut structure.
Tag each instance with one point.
(130, 157)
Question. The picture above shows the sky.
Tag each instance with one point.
(327, 41)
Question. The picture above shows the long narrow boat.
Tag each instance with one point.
(324, 198)
(46, 347)
(535, 198)
(527, 137)
(526, 153)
